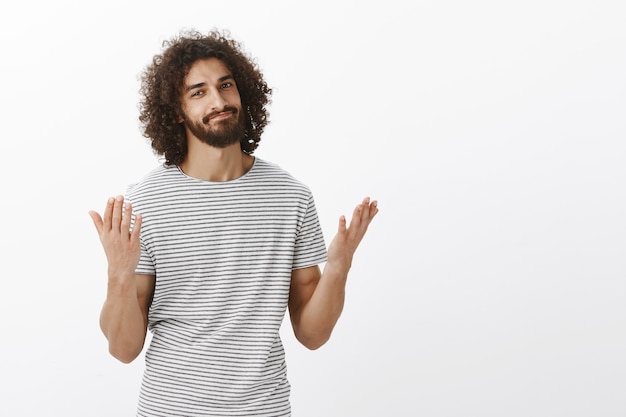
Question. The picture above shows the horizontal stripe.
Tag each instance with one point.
(222, 254)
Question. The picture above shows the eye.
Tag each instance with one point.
(197, 93)
(227, 84)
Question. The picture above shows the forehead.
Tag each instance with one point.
(206, 70)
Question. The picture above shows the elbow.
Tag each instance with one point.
(125, 359)
(124, 355)
(313, 334)
(123, 347)
(314, 346)
(313, 341)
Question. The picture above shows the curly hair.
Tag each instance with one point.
(162, 80)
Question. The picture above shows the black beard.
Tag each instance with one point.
(227, 132)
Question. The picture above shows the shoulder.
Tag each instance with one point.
(153, 181)
(274, 173)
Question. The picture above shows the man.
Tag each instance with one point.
(210, 248)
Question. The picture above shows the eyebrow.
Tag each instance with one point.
(203, 84)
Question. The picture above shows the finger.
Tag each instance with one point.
(356, 216)
(126, 217)
(134, 236)
(341, 228)
(373, 209)
(365, 210)
(97, 221)
(116, 219)
(108, 214)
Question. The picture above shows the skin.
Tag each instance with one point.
(316, 298)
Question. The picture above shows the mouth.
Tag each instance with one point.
(217, 116)
(220, 116)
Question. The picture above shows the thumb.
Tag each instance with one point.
(97, 220)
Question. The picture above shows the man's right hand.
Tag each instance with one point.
(120, 241)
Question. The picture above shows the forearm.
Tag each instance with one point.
(320, 314)
(316, 302)
(122, 320)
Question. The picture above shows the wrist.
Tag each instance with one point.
(121, 280)
(337, 268)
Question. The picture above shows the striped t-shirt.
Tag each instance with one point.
(222, 254)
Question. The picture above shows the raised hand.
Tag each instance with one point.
(347, 239)
(120, 242)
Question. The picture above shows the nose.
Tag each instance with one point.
(216, 100)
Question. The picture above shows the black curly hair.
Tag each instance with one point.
(162, 80)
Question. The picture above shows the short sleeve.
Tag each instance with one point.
(146, 262)
(310, 247)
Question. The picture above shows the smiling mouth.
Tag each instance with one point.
(216, 117)
(220, 115)
(227, 113)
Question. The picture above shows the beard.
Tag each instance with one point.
(225, 133)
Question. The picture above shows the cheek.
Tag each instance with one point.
(234, 98)
(192, 112)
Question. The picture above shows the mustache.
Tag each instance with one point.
(209, 116)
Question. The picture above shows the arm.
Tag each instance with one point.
(124, 316)
(316, 299)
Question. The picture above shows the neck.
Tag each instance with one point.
(207, 163)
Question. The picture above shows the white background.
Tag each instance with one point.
(493, 133)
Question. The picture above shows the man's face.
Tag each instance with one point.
(211, 104)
